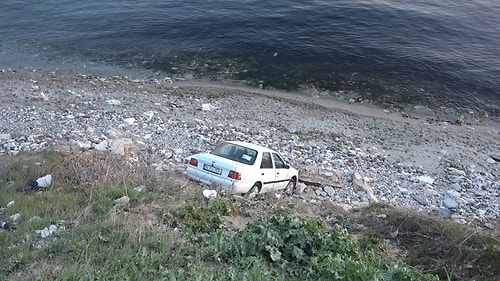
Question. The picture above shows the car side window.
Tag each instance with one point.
(266, 163)
(278, 162)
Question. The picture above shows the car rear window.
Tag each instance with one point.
(236, 153)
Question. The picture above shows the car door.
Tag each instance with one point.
(281, 172)
(267, 172)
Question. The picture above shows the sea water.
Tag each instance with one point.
(390, 51)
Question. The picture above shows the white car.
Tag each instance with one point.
(242, 168)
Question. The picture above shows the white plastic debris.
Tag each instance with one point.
(48, 231)
(10, 204)
(209, 193)
(44, 181)
(15, 217)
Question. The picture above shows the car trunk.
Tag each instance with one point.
(216, 165)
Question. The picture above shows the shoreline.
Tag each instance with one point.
(406, 161)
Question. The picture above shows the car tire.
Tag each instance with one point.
(254, 190)
(291, 186)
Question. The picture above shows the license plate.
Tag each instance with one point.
(212, 169)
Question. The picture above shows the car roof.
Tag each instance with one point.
(251, 145)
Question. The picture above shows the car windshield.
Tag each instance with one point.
(236, 153)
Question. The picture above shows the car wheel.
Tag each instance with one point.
(254, 190)
(291, 186)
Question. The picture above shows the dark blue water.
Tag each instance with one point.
(436, 53)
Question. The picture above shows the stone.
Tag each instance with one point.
(329, 190)
(121, 146)
(5, 137)
(103, 145)
(426, 179)
(113, 102)
(207, 107)
(113, 134)
(129, 121)
(290, 128)
(456, 172)
(450, 203)
(82, 145)
(148, 115)
(453, 193)
(320, 193)
(443, 212)
(456, 186)
(421, 200)
(495, 157)
(300, 188)
(121, 201)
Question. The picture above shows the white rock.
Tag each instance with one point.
(121, 146)
(148, 115)
(82, 145)
(207, 107)
(129, 121)
(5, 137)
(426, 179)
(113, 102)
(122, 200)
(103, 145)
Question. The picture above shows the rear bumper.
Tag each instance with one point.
(208, 178)
(229, 185)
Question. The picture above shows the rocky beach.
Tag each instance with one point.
(350, 153)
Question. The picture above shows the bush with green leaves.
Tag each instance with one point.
(200, 217)
(303, 247)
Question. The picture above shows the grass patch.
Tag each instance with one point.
(450, 250)
(168, 231)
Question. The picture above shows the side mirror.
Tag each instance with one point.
(286, 166)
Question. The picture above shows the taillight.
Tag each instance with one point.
(193, 162)
(234, 175)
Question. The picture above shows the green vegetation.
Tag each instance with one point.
(168, 231)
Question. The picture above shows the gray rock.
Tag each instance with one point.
(121, 146)
(456, 186)
(300, 188)
(329, 190)
(443, 212)
(456, 172)
(121, 201)
(421, 200)
(450, 203)
(290, 128)
(453, 193)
